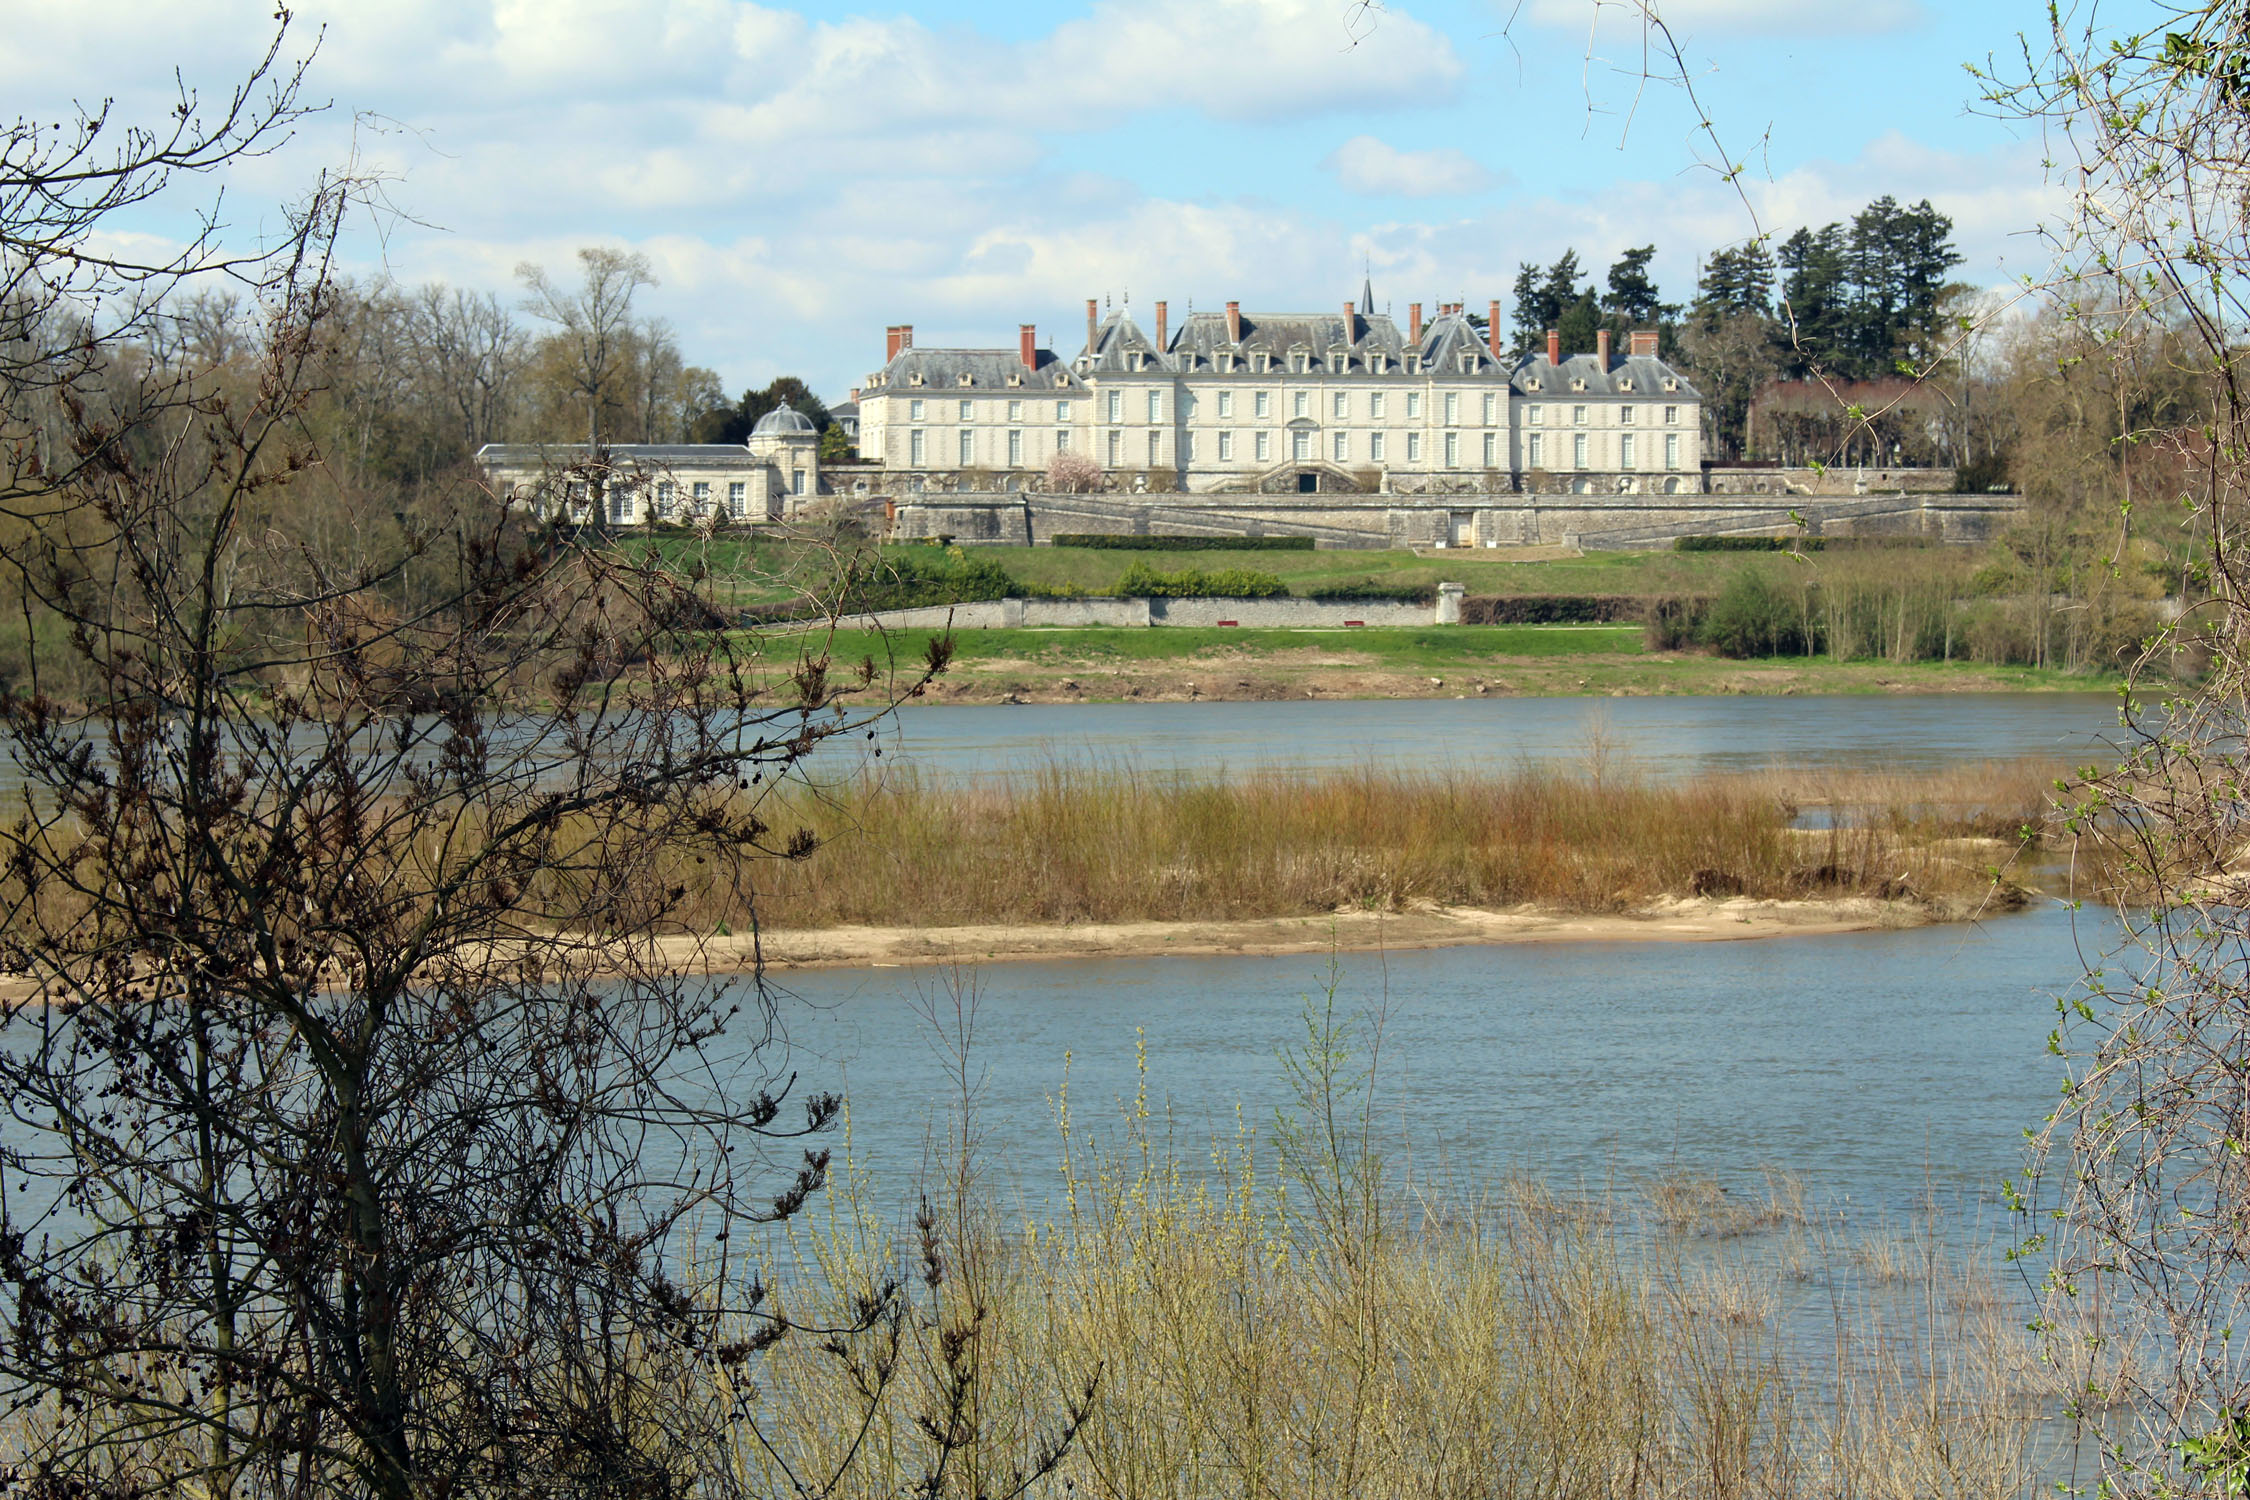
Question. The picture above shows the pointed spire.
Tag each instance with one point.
(1367, 295)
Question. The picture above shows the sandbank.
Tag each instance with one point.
(1687, 920)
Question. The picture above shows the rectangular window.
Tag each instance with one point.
(1413, 406)
(1116, 448)
(1375, 406)
(1492, 450)
(1578, 416)
(796, 481)
(1156, 406)
(1153, 439)
(1263, 444)
(1117, 406)
(968, 411)
(1375, 446)
(968, 447)
(1226, 403)
(1015, 411)
(1453, 450)
(1625, 451)
(1343, 406)
(1414, 447)
(1671, 450)
(1671, 416)
(1624, 416)
(1015, 447)
(702, 494)
(1533, 416)
(914, 453)
(1533, 456)
(1343, 445)
(1301, 405)
(664, 500)
(1062, 440)
(1578, 451)
(913, 411)
(1452, 408)
(1300, 447)
(1491, 407)
(1062, 411)
(1187, 448)
(1226, 446)
(1262, 404)
(736, 490)
(620, 501)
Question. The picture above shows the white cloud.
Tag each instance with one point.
(1364, 164)
(1741, 18)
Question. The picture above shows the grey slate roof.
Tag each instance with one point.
(559, 455)
(941, 370)
(1561, 382)
(1197, 342)
(783, 420)
(1451, 345)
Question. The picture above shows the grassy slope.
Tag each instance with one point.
(1179, 662)
(751, 572)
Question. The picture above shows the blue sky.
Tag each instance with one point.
(803, 176)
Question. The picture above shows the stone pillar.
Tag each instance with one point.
(1449, 603)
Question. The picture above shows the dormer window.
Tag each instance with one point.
(1626, 384)
(965, 379)
(1468, 364)
(1226, 364)
(1578, 384)
(1265, 364)
(1532, 384)
(1015, 377)
(915, 378)
(1374, 364)
(1671, 385)
(1339, 360)
(1414, 364)
(1301, 361)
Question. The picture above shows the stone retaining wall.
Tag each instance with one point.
(1268, 614)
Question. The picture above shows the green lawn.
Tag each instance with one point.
(747, 571)
(1402, 649)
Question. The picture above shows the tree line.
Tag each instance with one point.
(412, 380)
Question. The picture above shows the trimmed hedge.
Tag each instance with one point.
(1748, 543)
(1371, 591)
(1103, 541)
(1555, 609)
(1143, 582)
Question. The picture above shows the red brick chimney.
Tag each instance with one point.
(1492, 330)
(1027, 343)
(1091, 325)
(855, 393)
(1644, 342)
(1234, 322)
(905, 336)
(1554, 346)
(1351, 321)
(1163, 322)
(1601, 349)
(1414, 322)
(890, 343)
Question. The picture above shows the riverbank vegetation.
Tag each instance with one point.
(1073, 844)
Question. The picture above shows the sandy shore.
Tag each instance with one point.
(1683, 921)
(1688, 920)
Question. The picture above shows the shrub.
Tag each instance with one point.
(1143, 582)
(1753, 618)
(1672, 624)
(909, 580)
(1103, 541)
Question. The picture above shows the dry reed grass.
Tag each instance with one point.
(1071, 844)
(1245, 1337)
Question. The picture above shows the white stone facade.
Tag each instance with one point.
(769, 478)
(1234, 403)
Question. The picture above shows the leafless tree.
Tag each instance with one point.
(596, 321)
(376, 1121)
